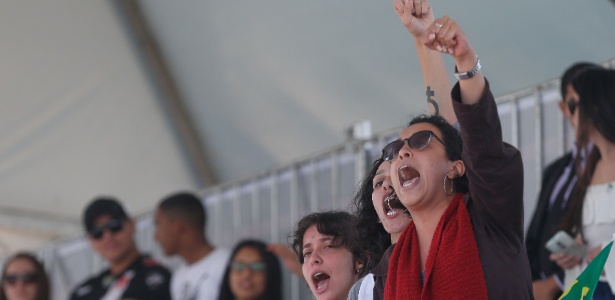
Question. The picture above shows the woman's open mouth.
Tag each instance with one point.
(392, 206)
(408, 176)
(321, 281)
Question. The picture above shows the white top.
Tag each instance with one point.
(363, 289)
(200, 280)
(598, 228)
(367, 288)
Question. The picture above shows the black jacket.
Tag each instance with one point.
(145, 279)
(545, 221)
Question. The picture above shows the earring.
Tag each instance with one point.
(452, 187)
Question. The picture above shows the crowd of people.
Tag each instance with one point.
(439, 215)
(250, 271)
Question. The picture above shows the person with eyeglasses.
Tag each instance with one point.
(24, 278)
(463, 190)
(131, 275)
(180, 230)
(558, 180)
(381, 217)
(591, 217)
(253, 273)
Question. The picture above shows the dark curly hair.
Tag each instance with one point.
(452, 143)
(42, 280)
(339, 224)
(273, 289)
(375, 238)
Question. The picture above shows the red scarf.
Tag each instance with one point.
(453, 269)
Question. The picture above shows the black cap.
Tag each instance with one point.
(102, 206)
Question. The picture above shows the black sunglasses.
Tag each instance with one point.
(12, 279)
(572, 106)
(113, 226)
(417, 141)
(255, 266)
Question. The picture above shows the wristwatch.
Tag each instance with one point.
(468, 74)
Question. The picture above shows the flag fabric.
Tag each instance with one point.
(585, 285)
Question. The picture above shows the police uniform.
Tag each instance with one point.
(144, 279)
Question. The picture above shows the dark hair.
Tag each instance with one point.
(596, 90)
(571, 73)
(452, 143)
(42, 281)
(273, 289)
(375, 238)
(339, 224)
(186, 207)
(102, 206)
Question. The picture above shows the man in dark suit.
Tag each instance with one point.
(557, 184)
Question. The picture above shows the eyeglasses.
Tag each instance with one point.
(26, 278)
(572, 106)
(417, 141)
(113, 226)
(255, 266)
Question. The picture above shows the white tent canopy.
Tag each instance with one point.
(265, 82)
(79, 118)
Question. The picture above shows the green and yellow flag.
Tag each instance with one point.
(585, 285)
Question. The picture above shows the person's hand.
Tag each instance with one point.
(416, 15)
(445, 35)
(592, 253)
(565, 261)
(287, 256)
(545, 289)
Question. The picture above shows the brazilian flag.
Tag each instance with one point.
(585, 285)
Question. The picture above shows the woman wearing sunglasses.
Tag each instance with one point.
(466, 238)
(552, 203)
(591, 217)
(24, 278)
(253, 273)
(381, 217)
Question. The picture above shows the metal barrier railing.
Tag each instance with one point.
(267, 205)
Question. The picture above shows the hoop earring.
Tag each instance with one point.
(452, 187)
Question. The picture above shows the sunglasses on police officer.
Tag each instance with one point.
(417, 141)
(112, 226)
